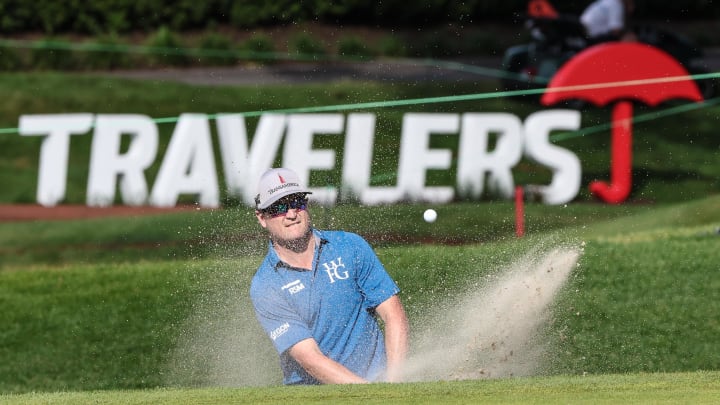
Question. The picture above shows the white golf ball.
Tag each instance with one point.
(430, 215)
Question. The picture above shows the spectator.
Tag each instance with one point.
(606, 20)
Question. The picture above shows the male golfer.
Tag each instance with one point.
(318, 294)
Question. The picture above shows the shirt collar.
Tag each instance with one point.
(274, 259)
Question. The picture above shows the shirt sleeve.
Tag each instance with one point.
(282, 324)
(373, 280)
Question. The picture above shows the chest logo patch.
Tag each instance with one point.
(294, 287)
(333, 270)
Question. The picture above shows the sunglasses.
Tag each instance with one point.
(280, 208)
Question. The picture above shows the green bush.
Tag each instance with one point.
(392, 46)
(167, 49)
(217, 49)
(480, 42)
(105, 53)
(353, 47)
(305, 45)
(122, 16)
(10, 59)
(434, 44)
(260, 47)
(50, 54)
(253, 13)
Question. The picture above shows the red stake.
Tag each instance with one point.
(519, 212)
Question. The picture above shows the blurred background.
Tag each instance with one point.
(116, 34)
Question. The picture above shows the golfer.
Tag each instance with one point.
(318, 295)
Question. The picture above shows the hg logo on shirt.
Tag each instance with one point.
(332, 270)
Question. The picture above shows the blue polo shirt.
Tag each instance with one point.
(333, 303)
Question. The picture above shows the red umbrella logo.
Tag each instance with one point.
(621, 72)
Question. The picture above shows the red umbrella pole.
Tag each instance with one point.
(620, 159)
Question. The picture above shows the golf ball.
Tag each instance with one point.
(430, 215)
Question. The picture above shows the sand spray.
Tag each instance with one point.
(491, 330)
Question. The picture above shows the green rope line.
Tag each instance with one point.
(448, 99)
(637, 118)
(460, 98)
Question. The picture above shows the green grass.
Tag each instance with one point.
(207, 233)
(642, 299)
(99, 321)
(671, 388)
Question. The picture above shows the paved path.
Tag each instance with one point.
(405, 70)
(301, 72)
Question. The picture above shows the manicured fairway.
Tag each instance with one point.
(673, 388)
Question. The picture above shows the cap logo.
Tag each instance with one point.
(283, 185)
(271, 188)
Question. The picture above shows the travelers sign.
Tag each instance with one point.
(189, 165)
(605, 73)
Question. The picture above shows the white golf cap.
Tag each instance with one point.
(275, 184)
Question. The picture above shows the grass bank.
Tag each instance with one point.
(641, 300)
(642, 388)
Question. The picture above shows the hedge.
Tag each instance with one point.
(124, 16)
